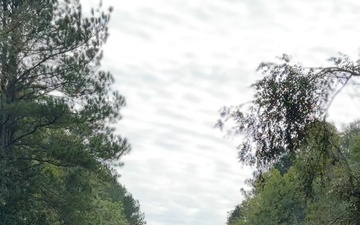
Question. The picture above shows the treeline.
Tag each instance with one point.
(307, 171)
(74, 195)
(316, 188)
(57, 144)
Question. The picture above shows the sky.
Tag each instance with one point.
(177, 62)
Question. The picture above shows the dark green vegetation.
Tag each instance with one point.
(56, 144)
(307, 171)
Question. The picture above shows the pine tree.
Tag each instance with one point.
(56, 105)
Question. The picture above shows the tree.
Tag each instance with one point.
(289, 101)
(320, 187)
(235, 216)
(279, 201)
(287, 135)
(56, 105)
(131, 206)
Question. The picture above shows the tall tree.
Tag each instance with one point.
(294, 148)
(56, 105)
(289, 101)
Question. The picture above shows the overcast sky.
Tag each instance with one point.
(178, 62)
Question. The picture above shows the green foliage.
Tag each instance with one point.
(320, 187)
(56, 51)
(235, 216)
(56, 111)
(288, 102)
(307, 171)
(74, 195)
(119, 193)
(279, 201)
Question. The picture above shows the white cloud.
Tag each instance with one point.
(177, 62)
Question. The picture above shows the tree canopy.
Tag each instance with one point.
(317, 188)
(289, 101)
(56, 111)
(306, 169)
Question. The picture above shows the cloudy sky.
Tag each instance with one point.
(178, 62)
